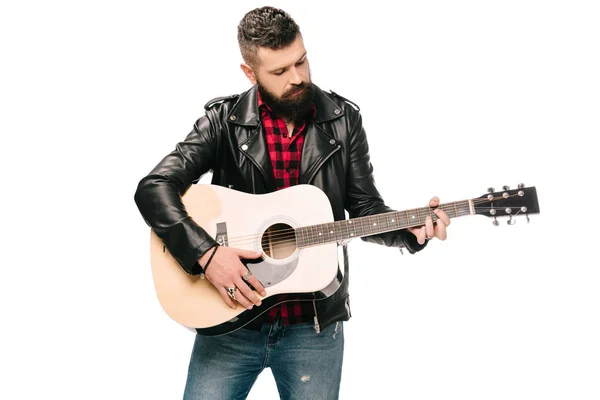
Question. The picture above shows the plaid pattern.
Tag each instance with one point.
(285, 155)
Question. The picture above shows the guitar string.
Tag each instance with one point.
(284, 241)
(288, 235)
(290, 232)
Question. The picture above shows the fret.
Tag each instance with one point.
(338, 232)
(429, 210)
(373, 224)
(346, 229)
(341, 226)
(386, 221)
(358, 227)
(300, 237)
(393, 221)
(400, 217)
(306, 236)
(331, 232)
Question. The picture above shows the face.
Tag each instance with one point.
(283, 78)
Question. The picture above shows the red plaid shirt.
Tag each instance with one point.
(285, 155)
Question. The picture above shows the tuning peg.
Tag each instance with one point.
(511, 221)
(521, 185)
(495, 222)
(491, 190)
(527, 217)
(505, 187)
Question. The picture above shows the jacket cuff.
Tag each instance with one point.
(189, 261)
(187, 242)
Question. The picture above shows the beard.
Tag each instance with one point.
(289, 106)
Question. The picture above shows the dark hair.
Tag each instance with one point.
(265, 27)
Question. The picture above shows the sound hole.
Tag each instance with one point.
(279, 241)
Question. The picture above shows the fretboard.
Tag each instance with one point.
(371, 225)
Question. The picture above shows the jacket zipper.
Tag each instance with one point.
(316, 319)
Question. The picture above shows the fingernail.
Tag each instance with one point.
(259, 303)
(263, 293)
(249, 307)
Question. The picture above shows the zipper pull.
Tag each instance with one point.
(317, 327)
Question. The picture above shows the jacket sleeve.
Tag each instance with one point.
(363, 198)
(158, 196)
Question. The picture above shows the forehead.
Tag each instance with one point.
(271, 60)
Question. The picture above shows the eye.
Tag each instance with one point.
(278, 72)
(300, 62)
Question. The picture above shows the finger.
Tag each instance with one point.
(422, 235)
(223, 292)
(246, 294)
(429, 230)
(434, 202)
(247, 253)
(442, 215)
(241, 297)
(440, 230)
(256, 285)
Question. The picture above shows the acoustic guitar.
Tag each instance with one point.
(296, 234)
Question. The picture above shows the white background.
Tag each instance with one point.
(456, 96)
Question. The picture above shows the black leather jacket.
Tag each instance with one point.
(229, 141)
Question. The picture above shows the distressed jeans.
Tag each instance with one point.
(305, 365)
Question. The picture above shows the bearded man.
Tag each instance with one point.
(281, 132)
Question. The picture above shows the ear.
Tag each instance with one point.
(249, 73)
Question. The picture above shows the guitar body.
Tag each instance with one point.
(264, 223)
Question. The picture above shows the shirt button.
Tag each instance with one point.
(244, 147)
(337, 111)
(287, 170)
(233, 118)
(332, 141)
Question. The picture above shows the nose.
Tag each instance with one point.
(295, 78)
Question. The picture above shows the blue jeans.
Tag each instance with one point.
(305, 365)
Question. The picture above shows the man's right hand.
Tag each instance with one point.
(226, 271)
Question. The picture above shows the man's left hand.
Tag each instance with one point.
(431, 230)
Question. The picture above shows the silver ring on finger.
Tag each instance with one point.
(231, 292)
(247, 275)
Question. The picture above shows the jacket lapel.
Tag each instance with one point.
(318, 146)
(319, 142)
(251, 137)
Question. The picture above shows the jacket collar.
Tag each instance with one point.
(245, 112)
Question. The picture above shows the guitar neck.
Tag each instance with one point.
(374, 224)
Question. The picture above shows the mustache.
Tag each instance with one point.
(302, 85)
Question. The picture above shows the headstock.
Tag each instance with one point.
(508, 203)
